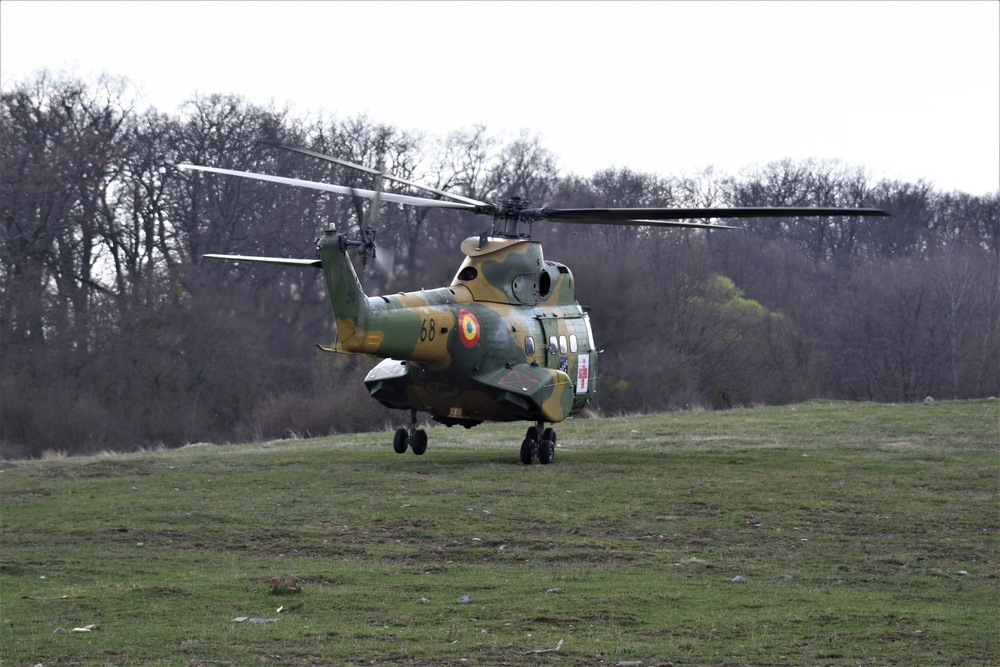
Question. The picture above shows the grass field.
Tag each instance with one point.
(824, 533)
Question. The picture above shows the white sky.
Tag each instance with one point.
(907, 90)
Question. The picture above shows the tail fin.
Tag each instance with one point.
(351, 308)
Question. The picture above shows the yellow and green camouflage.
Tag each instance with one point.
(505, 341)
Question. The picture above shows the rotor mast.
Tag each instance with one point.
(509, 216)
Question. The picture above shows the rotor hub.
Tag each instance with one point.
(511, 213)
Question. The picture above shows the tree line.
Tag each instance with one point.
(116, 333)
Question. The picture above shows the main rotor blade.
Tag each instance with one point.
(649, 215)
(369, 170)
(285, 261)
(327, 187)
(649, 223)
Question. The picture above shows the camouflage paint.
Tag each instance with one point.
(503, 293)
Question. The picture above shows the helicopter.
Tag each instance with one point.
(507, 340)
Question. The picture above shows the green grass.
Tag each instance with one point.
(850, 523)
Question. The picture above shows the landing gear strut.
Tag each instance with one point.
(538, 442)
(413, 437)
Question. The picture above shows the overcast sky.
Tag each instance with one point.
(907, 90)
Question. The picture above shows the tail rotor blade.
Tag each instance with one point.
(385, 260)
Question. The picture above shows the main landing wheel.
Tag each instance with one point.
(527, 451)
(413, 438)
(540, 442)
(418, 441)
(402, 440)
(547, 447)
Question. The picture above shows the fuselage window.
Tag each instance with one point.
(572, 343)
(562, 345)
(553, 345)
(529, 346)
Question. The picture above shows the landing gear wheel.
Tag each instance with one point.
(400, 440)
(547, 447)
(541, 442)
(546, 452)
(527, 451)
(418, 442)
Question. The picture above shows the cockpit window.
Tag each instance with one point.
(529, 346)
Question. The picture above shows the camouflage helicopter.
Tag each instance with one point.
(507, 339)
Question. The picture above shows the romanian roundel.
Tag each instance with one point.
(468, 328)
